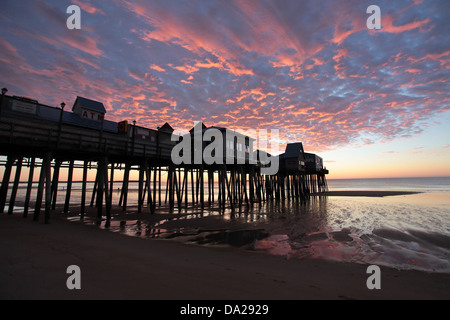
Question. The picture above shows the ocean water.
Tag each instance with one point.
(426, 184)
(404, 232)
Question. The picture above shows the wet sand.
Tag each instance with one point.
(35, 256)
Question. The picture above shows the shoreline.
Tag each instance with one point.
(365, 193)
(114, 266)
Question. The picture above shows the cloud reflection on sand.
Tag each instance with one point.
(409, 232)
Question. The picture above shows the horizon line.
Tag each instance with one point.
(93, 181)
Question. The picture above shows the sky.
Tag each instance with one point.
(372, 103)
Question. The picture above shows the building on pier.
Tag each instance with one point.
(293, 159)
(313, 162)
(216, 145)
(89, 109)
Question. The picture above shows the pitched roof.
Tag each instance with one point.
(89, 104)
(166, 127)
(293, 150)
(197, 124)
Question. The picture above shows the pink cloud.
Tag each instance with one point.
(88, 7)
(82, 43)
(388, 24)
(157, 68)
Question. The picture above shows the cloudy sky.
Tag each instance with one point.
(373, 103)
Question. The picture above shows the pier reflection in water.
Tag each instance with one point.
(238, 227)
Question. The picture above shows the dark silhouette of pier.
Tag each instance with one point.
(46, 138)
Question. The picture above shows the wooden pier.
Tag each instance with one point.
(40, 137)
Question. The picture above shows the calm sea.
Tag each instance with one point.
(434, 184)
(405, 232)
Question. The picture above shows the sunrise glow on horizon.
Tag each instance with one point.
(371, 103)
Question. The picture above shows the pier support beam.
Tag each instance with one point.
(142, 171)
(44, 185)
(202, 187)
(29, 187)
(48, 186)
(124, 194)
(12, 200)
(83, 189)
(150, 199)
(111, 183)
(5, 182)
(55, 183)
(102, 189)
(108, 193)
(69, 186)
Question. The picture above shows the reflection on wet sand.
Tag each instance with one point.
(398, 231)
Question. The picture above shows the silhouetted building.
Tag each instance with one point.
(293, 159)
(313, 162)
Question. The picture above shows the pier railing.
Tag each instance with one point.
(19, 134)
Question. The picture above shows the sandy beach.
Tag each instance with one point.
(35, 256)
